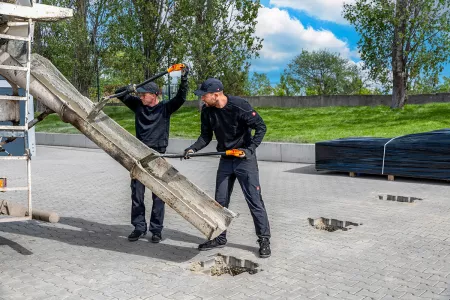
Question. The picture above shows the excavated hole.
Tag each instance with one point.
(222, 264)
(331, 225)
(407, 199)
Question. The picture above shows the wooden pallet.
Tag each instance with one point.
(390, 177)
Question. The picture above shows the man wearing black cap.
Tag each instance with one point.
(232, 119)
(152, 122)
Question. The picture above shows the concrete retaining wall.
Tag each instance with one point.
(337, 100)
(282, 152)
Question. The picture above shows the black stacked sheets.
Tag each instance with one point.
(422, 155)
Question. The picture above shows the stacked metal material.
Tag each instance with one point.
(424, 155)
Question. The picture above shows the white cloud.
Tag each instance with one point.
(329, 10)
(285, 37)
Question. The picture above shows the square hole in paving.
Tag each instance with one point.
(223, 264)
(331, 224)
(390, 197)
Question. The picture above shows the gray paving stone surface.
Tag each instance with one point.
(401, 250)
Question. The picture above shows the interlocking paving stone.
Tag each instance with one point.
(400, 252)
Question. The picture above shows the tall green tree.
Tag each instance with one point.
(259, 85)
(322, 73)
(76, 45)
(129, 40)
(444, 87)
(220, 39)
(401, 41)
(142, 38)
(287, 86)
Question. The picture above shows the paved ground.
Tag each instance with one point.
(400, 251)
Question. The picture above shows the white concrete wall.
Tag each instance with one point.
(282, 152)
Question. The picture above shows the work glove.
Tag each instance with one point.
(187, 152)
(247, 153)
(128, 88)
(185, 72)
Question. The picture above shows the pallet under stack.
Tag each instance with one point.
(421, 155)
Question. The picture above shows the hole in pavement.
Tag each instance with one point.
(222, 264)
(398, 198)
(331, 224)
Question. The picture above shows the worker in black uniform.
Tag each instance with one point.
(152, 121)
(232, 119)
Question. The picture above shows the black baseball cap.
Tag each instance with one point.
(149, 87)
(210, 85)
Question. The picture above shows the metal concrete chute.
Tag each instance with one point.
(52, 89)
(27, 9)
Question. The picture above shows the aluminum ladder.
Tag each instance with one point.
(19, 131)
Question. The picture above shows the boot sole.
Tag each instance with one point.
(207, 249)
(264, 256)
(135, 239)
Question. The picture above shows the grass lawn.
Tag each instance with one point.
(300, 125)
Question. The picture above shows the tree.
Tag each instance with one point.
(401, 41)
(75, 46)
(322, 73)
(129, 40)
(259, 85)
(219, 38)
(287, 86)
(141, 38)
(444, 87)
(424, 86)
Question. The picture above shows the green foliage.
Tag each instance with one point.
(300, 124)
(259, 85)
(219, 40)
(141, 39)
(287, 86)
(75, 46)
(444, 87)
(322, 73)
(431, 86)
(402, 42)
(125, 41)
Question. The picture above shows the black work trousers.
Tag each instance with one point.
(247, 173)
(138, 207)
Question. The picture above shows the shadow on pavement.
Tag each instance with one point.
(189, 238)
(91, 234)
(17, 247)
(311, 170)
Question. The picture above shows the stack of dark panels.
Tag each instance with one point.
(424, 155)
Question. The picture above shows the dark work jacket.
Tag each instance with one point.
(153, 123)
(232, 125)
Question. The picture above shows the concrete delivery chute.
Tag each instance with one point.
(52, 89)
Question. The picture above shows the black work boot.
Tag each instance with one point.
(264, 247)
(136, 235)
(156, 238)
(208, 245)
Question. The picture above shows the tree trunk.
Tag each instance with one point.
(398, 58)
(154, 46)
(82, 70)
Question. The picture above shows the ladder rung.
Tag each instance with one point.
(13, 219)
(13, 128)
(13, 37)
(14, 157)
(13, 189)
(10, 133)
(17, 68)
(14, 24)
(15, 98)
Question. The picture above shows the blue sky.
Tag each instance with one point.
(288, 26)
